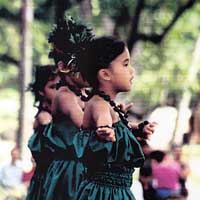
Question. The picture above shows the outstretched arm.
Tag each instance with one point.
(103, 120)
(143, 130)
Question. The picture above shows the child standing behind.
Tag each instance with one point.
(44, 90)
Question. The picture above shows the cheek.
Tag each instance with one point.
(124, 76)
(50, 93)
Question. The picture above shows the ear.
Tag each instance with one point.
(61, 65)
(104, 74)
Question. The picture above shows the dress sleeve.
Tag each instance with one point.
(125, 149)
(35, 141)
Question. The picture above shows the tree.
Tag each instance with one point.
(127, 14)
(187, 94)
(25, 71)
(20, 19)
(130, 15)
(153, 29)
(85, 10)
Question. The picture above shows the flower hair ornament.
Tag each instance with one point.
(68, 39)
(70, 67)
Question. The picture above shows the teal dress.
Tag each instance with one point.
(42, 158)
(65, 172)
(110, 164)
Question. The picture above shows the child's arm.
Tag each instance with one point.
(147, 130)
(69, 106)
(125, 107)
(103, 120)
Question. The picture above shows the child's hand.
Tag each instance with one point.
(125, 107)
(106, 133)
(146, 131)
(149, 129)
(133, 125)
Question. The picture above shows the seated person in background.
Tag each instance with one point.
(187, 136)
(11, 172)
(184, 168)
(26, 177)
(166, 174)
(145, 177)
(11, 177)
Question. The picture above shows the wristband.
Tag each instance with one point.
(105, 126)
(138, 131)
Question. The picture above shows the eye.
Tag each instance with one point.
(126, 64)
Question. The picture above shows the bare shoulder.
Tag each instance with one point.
(44, 118)
(65, 98)
(99, 108)
(64, 95)
(67, 103)
(99, 104)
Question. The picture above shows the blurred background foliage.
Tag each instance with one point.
(161, 35)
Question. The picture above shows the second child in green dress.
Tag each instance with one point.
(110, 165)
(65, 173)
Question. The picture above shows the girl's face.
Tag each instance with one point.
(121, 72)
(49, 91)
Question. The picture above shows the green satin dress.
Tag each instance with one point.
(42, 158)
(110, 164)
(66, 171)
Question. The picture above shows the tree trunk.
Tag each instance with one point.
(186, 96)
(60, 7)
(25, 127)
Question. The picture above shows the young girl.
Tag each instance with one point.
(65, 173)
(44, 89)
(110, 165)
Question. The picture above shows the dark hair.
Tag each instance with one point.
(43, 74)
(98, 55)
(157, 155)
(69, 39)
